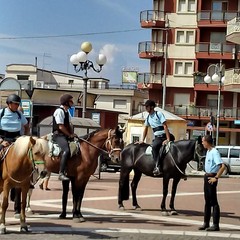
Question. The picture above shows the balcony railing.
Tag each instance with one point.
(232, 76)
(153, 47)
(215, 47)
(204, 111)
(216, 16)
(152, 15)
(149, 78)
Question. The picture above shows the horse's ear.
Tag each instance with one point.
(32, 140)
(199, 139)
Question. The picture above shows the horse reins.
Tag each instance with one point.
(31, 158)
(108, 141)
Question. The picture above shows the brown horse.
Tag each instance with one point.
(83, 165)
(17, 169)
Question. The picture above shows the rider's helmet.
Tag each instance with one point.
(13, 98)
(150, 103)
(65, 99)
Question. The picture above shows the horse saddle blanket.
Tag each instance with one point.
(55, 149)
(148, 150)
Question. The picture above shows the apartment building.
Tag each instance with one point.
(188, 40)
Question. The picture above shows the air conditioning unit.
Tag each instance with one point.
(39, 84)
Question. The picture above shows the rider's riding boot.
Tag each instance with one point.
(158, 168)
(63, 162)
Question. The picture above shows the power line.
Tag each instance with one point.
(71, 35)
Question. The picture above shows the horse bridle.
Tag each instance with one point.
(30, 155)
(109, 142)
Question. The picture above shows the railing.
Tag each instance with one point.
(216, 15)
(233, 25)
(232, 76)
(215, 47)
(204, 111)
(149, 78)
(156, 47)
(152, 15)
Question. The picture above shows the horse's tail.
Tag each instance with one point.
(123, 192)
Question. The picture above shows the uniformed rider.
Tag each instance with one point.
(157, 121)
(63, 131)
(12, 121)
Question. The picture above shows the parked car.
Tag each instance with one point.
(106, 164)
(231, 157)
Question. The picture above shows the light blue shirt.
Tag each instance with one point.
(213, 159)
(11, 122)
(155, 120)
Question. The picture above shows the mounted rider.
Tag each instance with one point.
(12, 125)
(12, 121)
(157, 121)
(63, 131)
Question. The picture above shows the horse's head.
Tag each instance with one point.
(39, 148)
(200, 152)
(114, 143)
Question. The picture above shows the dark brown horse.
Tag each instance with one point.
(174, 165)
(17, 170)
(84, 164)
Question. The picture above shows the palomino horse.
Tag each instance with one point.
(17, 169)
(174, 164)
(82, 165)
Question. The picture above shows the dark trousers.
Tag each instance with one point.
(211, 202)
(62, 141)
(156, 145)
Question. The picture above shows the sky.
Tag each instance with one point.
(53, 30)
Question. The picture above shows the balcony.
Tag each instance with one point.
(215, 50)
(149, 50)
(233, 30)
(204, 113)
(152, 19)
(214, 18)
(149, 81)
(232, 80)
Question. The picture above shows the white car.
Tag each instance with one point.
(231, 157)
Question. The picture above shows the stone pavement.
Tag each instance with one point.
(105, 221)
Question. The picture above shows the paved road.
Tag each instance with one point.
(105, 221)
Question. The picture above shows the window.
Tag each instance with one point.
(183, 68)
(185, 37)
(119, 104)
(223, 152)
(212, 101)
(234, 153)
(187, 6)
(181, 99)
(22, 77)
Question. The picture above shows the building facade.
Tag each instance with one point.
(188, 39)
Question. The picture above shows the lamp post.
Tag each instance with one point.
(219, 78)
(81, 63)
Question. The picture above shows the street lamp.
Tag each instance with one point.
(219, 78)
(81, 63)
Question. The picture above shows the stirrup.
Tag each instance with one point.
(156, 171)
(62, 177)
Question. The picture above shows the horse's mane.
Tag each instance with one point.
(89, 135)
(21, 145)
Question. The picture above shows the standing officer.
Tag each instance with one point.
(214, 168)
(157, 121)
(63, 132)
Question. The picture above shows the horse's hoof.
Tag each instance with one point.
(29, 211)
(121, 207)
(165, 213)
(17, 215)
(137, 207)
(78, 220)
(3, 230)
(173, 212)
(24, 229)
